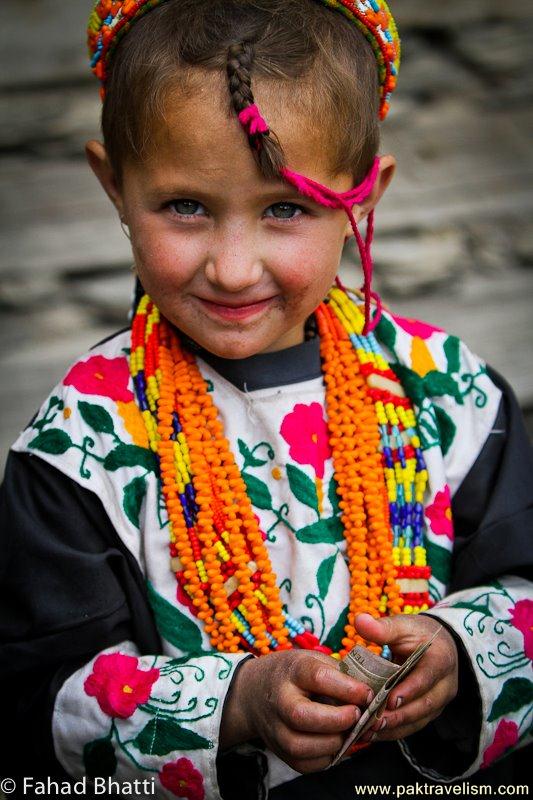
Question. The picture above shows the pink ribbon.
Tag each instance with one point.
(328, 197)
(251, 119)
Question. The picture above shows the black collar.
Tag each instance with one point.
(267, 370)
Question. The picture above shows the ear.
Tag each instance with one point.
(387, 168)
(101, 166)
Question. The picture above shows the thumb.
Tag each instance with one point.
(398, 629)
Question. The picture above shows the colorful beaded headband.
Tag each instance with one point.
(111, 19)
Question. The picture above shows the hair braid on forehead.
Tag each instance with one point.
(265, 146)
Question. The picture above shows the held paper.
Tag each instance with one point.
(382, 676)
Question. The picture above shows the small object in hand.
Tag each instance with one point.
(365, 666)
(384, 674)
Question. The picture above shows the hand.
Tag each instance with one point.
(428, 688)
(272, 697)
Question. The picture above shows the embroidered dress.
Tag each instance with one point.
(149, 703)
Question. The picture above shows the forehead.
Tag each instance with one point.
(199, 131)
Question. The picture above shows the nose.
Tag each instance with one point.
(233, 264)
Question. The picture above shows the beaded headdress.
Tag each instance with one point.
(111, 19)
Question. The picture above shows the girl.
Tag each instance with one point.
(218, 503)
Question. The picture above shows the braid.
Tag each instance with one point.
(265, 146)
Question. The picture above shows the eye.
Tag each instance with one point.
(284, 211)
(186, 208)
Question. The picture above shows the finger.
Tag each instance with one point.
(311, 764)
(401, 629)
(431, 670)
(402, 731)
(302, 714)
(318, 677)
(298, 746)
(431, 704)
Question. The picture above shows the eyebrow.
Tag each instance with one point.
(284, 190)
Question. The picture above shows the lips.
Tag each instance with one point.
(233, 311)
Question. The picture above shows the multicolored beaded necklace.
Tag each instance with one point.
(217, 550)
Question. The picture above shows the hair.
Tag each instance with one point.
(278, 43)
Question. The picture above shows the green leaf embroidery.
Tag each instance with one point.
(516, 693)
(134, 493)
(451, 351)
(425, 425)
(174, 626)
(96, 417)
(258, 492)
(53, 441)
(324, 575)
(130, 455)
(99, 759)
(439, 559)
(336, 634)
(324, 530)
(162, 735)
(333, 497)
(49, 415)
(438, 384)
(386, 333)
(249, 459)
(447, 429)
(484, 610)
(302, 487)
(412, 383)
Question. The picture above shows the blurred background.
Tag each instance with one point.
(454, 235)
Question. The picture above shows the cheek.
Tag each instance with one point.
(161, 254)
(310, 261)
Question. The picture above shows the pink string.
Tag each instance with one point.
(252, 121)
(328, 197)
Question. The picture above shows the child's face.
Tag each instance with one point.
(235, 261)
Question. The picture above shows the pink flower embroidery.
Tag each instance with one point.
(118, 685)
(183, 779)
(505, 737)
(416, 328)
(439, 514)
(522, 618)
(305, 431)
(105, 377)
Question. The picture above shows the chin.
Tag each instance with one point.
(225, 348)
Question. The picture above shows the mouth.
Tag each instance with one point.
(236, 312)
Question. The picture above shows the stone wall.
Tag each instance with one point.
(454, 242)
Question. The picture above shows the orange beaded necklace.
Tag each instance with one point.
(217, 550)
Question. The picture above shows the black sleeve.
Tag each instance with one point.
(493, 519)
(493, 507)
(69, 589)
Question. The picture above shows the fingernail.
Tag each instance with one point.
(383, 723)
(357, 714)
(399, 701)
(370, 696)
